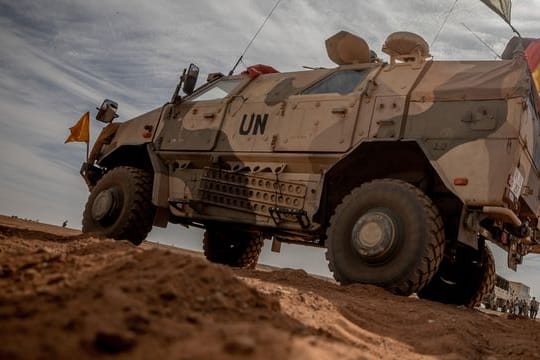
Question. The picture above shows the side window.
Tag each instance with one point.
(341, 82)
(217, 91)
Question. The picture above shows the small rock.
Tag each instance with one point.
(72, 325)
(44, 291)
(25, 313)
(55, 279)
(243, 345)
(5, 271)
(168, 295)
(137, 323)
(219, 298)
(113, 342)
(31, 273)
(193, 319)
(44, 250)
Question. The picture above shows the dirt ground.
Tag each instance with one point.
(64, 295)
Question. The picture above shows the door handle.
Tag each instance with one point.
(340, 110)
(386, 122)
(209, 116)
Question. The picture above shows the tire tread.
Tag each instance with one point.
(431, 258)
(140, 216)
(249, 252)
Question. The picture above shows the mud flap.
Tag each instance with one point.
(466, 235)
(160, 188)
(514, 256)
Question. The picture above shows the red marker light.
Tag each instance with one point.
(461, 181)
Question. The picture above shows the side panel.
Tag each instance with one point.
(387, 117)
(387, 95)
(318, 123)
(116, 136)
(475, 140)
(135, 131)
(486, 164)
(194, 126)
(529, 136)
(245, 197)
(255, 119)
(249, 126)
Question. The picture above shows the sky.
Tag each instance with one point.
(61, 58)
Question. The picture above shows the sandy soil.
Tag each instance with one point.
(64, 295)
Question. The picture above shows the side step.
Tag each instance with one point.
(301, 216)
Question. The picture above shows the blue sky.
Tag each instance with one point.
(61, 58)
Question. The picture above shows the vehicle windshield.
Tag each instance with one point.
(217, 91)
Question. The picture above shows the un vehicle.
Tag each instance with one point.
(401, 169)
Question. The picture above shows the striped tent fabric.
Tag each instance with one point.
(502, 7)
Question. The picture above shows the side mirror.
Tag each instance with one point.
(190, 79)
(107, 111)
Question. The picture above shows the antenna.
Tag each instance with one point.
(482, 41)
(254, 36)
(514, 30)
(443, 24)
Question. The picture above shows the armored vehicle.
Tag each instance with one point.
(401, 169)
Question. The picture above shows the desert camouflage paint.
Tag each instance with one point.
(277, 151)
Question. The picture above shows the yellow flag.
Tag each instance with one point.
(81, 130)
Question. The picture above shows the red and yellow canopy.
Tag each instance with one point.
(532, 52)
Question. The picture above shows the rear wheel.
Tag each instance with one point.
(387, 233)
(463, 279)
(233, 248)
(120, 205)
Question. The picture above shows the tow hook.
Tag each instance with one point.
(523, 231)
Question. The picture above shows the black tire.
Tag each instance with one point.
(120, 205)
(416, 248)
(232, 248)
(463, 280)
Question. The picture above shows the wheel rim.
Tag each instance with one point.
(106, 205)
(374, 235)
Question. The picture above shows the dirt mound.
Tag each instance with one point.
(64, 295)
(388, 326)
(95, 297)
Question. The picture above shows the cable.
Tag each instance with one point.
(254, 36)
(443, 24)
(482, 41)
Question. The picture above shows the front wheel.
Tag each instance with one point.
(387, 233)
(120, 205)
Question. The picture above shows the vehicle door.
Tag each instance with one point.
(195, 123)
(323, 117)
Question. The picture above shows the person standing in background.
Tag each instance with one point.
(533, 308)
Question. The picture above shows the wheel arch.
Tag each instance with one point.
(143, 156)
(401, 160)
(136, 156)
